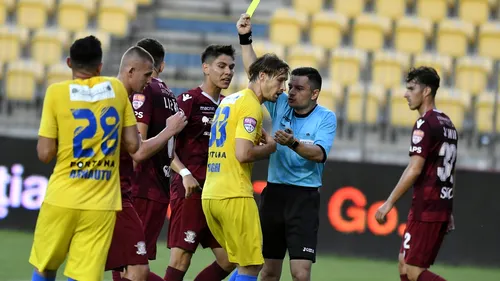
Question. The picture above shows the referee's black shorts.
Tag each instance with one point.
(289, 217)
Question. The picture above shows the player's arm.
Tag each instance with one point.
(408, 178)
(244, 27)
(246, 150)
(47, 135)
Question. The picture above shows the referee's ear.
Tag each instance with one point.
(315, 94)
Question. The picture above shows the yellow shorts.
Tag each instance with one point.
(82, 235)
(235, 224)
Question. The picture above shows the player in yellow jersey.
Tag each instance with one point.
(84, 120)
(236, 141)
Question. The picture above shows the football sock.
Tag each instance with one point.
(235, 274)
(173, 274)
(212, 272)
(37, 277)
(429, 276)
(116, 275)
(404, 277)
(246, 278)
(154, 277)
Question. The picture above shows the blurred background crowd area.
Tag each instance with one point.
(363, 49)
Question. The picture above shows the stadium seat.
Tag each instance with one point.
(411, 34)
(350, 9)
(262, 47)
(103, 36)
(73, 14)
(354, 103)
(434, 10)
(12, 39)
(25, 73)
(48, 45)
(393, 9)
(346, 64)
(369, 32)
(33, 13)
(453, 37)
(58, 72)
(474, 11)
(305, 55)
(6, 6)
(286, 27)
(400, 114)
(442, 64)
(388, 68)
(113, 17)
(327, 29)
(472, 74)
(453, 104)
(331, 95)
(489, 40)
(309, 7)
(484, 113)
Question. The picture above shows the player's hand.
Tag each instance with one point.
(244, 25)
(284, 137)
(190, 184)
(383, 211)
(451, 225)
(177, 122)
(263, 138)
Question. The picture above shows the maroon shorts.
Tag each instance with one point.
(188, 226)
(128, 246)
(153, 215)
(422, 241)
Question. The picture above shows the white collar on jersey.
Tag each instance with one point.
(210, 98)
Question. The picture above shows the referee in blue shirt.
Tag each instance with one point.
(289, 210)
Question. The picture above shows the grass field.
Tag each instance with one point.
(15, 248)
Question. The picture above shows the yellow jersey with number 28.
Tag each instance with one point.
(86, 117)
(239, 116)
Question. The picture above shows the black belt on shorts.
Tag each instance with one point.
(291, 186)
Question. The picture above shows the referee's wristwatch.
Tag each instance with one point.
(294, 144)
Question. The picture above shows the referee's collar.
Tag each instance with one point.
(305, 114)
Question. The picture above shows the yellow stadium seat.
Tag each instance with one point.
(12, 39)
(346, 64)
(58, 72)
(474, 11)
(22, 78)
(434, 10)
(304, 55)
(354, 103)
(411, 34)
(73, 14)
(263, 47)
(33, 13)
(388, 68)
(472, 74)
(6, 6)
(442, 64)
(393, 9)
(309, 7)
(489, 40)
(103, 36)
(350, 9)
(286, 27)
(452, 103)
(400, 114)
(330, 95)
(113, 17)
(370, 31)
(453, 37)
(484, 113)
(48, 45)
(327, 29)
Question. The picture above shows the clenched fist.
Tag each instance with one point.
(177, 122)
(244, 25)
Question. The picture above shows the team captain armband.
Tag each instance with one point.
(245, 39)
(184, 172)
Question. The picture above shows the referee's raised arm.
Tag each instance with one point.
(244, 26)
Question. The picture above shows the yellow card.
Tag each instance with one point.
(252, 7)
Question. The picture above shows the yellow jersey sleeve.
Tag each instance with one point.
(249, 118)
(48, 124)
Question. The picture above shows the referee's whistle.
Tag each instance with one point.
(288, 131)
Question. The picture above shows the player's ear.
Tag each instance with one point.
(99, 69)
(162, 67)
(131, 71)
(427, 91)
(262, 76)
(68, 62)
(205, 66)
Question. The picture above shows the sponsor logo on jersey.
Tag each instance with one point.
(250, 124)
(417, 136)
(138, 101)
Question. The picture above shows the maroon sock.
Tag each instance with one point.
(116, 275)
(154, 277)
(212, 272)
(404, 277)
(173, 274)
(429, 276)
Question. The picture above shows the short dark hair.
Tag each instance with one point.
(270, 64)
(86, 53)
(139, 52)
(214, 51)
(315, 80)
(425, 75)
(154, 48)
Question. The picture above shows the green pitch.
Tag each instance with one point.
(15, 248)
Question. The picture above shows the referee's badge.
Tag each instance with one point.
(250, 124)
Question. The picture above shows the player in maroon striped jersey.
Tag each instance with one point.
(433, 155)
(188, 227)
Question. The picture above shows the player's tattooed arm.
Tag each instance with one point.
(408, 178)
(244, 27)
(46, 149)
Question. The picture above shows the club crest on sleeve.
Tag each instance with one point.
(249, 123)
(417, 136)
(138, 101)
